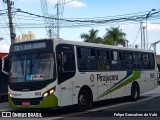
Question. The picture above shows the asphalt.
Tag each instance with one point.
(156, 93)
(4, 106)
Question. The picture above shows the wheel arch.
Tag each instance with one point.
(135, 91)
(135, 83)
(88, 89)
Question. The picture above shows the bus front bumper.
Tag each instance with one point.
(48, 102)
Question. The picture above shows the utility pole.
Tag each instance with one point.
(143, 40)
(141, 35)
(12, 34)
(58, 19)
(147, 26)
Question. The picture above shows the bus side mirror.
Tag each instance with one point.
(6, 64)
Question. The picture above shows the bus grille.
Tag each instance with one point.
(33, 101)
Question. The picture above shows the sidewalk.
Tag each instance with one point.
(153, 92)
(4, 106)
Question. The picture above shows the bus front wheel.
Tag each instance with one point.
(83, 100)
(135, 92)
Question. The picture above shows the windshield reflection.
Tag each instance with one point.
(28, 68)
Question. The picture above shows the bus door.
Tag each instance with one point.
(66, 72)
(150, 71)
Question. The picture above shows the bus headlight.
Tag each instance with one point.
(49, 92)
(45, 94)
(10, 95)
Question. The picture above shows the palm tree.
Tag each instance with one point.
(91, 37)
(115, 36)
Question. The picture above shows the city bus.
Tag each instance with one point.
(3, 81)
(55, 73)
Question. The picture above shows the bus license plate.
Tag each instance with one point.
(26, 103)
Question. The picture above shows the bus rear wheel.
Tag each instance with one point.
(135, 92)
(83, 100)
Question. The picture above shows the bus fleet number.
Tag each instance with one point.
(151, 75)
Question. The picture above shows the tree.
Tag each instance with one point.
(91, 37)
(115, 36)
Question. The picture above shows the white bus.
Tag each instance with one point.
(55, 73)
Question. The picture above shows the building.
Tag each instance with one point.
(25, 37)
(158, 59)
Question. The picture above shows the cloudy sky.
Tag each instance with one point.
(85, 9)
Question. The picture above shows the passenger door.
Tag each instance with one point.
(151, 73)
(66, 71)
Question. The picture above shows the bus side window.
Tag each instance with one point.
(151, 61)
(128, 60)
(116, 60)
(146, 64)
(65, 62)
(135, 61)
(59, 62)
(103, 59)
(108, 59)
(139, 60)
(68, 61)
(86, 59)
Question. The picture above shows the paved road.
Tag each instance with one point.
(149, 104)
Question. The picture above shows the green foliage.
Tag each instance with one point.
(91, 37)
(113, 36)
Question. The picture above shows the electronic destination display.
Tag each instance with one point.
(32, 45)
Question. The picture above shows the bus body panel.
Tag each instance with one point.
(50, 102)
(16, 98)
(104, 85)
(151, 79)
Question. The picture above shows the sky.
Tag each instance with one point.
(74, 9)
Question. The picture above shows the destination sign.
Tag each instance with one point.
(29, 46)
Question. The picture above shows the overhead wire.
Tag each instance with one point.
(6, 30)
(129, 18)
(136, 36)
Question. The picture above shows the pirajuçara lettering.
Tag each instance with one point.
(106, 78)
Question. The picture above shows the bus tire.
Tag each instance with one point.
(83, 100)
(135, 92)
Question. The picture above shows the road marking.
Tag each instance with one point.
(107, 107)
(95, 109)
(119, 104)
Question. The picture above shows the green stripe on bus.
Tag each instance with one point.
(129, 73)
(129, 79)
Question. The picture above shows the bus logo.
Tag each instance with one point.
(92, 78)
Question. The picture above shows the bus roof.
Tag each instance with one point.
(90, 45)
(103, 46)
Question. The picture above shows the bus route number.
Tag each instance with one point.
(37, 93)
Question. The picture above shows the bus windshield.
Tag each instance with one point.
(34, 67)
